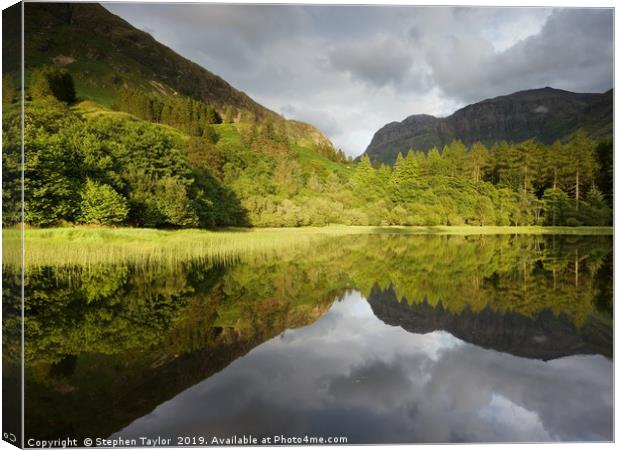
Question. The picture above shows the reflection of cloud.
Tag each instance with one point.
(350, 374)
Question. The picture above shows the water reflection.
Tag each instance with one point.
(377, 338)
(353, 376)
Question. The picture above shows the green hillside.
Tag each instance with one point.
(105, 55)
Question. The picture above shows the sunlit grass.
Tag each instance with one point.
(98, 245)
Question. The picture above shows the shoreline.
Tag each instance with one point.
(86, 245)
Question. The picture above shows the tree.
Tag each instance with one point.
(605, 177)
(435, 163)
(174, 203)
(555, 206)
(554, 163)
(405, 182)
(102, 205)
(523, 160)
(583, 163)
(366, 183)
(454, 155)
(52, 82)
(476, 161)
(53, 165)
(597, 212)
(203, 154)
(8, 90)
(208, 132)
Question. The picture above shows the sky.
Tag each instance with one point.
(349, 70)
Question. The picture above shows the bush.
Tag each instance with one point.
(102, 205)
(52, 82)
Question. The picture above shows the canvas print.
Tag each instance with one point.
(246, 224)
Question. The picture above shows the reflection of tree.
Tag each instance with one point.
(522, 274)
(141, 336)
(134, 337)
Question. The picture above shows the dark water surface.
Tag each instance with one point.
(379, 339)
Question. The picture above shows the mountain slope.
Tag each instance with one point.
(547, 114)
(106, 54)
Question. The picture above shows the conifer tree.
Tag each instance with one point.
(583, 163)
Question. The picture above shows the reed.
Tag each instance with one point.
(86, 246)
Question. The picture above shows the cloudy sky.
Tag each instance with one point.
(351, 69)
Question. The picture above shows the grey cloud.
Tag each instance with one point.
(254, 24)
(573, 51)
(327, 123)
(381, 61)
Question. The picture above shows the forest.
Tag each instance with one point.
(157, 161)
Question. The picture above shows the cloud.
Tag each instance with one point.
(352, 69)
(572, 51)
(378, 62)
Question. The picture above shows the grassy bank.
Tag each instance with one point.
(88, 245)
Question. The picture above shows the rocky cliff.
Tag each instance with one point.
(547, 114)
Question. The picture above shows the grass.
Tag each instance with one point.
(90, 109)
(86, 246)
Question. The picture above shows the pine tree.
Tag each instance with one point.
(583, 163)
(476, 161)
(454, 155)
(366, 183)
(405, 181)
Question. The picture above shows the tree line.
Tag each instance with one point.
(188, 115)
(526, 183)
(114, 169)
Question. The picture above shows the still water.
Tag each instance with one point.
(379, 339)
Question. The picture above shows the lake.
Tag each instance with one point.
(374, 338)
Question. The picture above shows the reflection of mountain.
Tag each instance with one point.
(544, 336)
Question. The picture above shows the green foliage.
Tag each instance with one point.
(252, 174)
(52, 82)
(605, 175)
(556, 206)
(9, 92)
(11, 164)
(188, 115)
(102, 205)
(123, 159)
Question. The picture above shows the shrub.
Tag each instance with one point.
(102, 205)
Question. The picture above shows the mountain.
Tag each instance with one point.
(543, 336)
(105, 54)
(547, 114)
